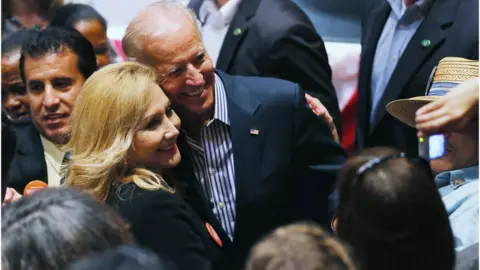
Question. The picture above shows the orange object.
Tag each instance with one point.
(33, 186)
(214, 234)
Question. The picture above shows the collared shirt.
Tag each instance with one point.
(459, 192)
(54, 157)
(215, 23)
(212, 160)
(400, 27)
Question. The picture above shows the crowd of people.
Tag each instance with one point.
(216, 145)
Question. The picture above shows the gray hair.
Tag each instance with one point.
(142, 22)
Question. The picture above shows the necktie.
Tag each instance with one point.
(64, 167)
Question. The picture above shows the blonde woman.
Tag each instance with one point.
(123, 141)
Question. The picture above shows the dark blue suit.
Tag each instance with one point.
(451, 26)
(283, 174)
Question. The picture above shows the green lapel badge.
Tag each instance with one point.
(426, 43)
(237, 31)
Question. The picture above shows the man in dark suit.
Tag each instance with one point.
(268, 38)
(54, 65)
(402, 41)
(254, 155)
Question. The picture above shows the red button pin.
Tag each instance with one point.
(214, 234)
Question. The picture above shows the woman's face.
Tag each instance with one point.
(97, 35)
(154, 144)
(14, 98)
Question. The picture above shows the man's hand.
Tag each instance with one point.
(11, 195)
(452, 112)
(320, 110)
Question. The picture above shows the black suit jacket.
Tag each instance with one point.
(29, 160)
(164, 223)
(278, 40)
(283, 174)
(452, 28)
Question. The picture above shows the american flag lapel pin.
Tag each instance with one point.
(254, 131)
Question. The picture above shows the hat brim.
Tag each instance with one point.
(405, 109)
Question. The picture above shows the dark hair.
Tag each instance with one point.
(391, 213)
(9, 141)
(15, 41)
(70, 14)
(55, 226)
(58, 39)
(300, 246)
(124, 257)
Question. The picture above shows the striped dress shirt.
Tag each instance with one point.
(212, 159)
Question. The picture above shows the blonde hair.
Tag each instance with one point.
(300, 246)
(107, 114)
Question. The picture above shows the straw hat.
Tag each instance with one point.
(450, 72)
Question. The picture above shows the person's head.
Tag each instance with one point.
(390, 212)
(9, 141)
(461, 150)
(299, 246)
(14, 98)
(165, 35)
(86, 20)
(53, 227)
(123, 129)
(446, 78)
(54, 64)
(124, 257)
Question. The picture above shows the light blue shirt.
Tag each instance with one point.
(459, 192)
(213, 164)
(400, 27)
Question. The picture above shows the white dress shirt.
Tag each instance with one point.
(215, 23)
(54, 160)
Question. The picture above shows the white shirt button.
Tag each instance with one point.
(213, 171)
(221, 205)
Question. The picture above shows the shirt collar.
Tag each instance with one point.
(457, 178)
(221, 108)
(52, 149)
(419, 7)
(223, 16)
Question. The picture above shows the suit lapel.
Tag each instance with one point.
(248, 135)
(237, 30)
(376, 22)
(441, 15)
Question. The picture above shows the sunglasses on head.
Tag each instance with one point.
(371, 164)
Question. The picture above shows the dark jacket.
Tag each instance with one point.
(278, 40)
(452, 28)
(29, 160)
(164, 223)
(283, 174)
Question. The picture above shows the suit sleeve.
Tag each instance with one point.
(299, 55)
(165, 227)
(318, 158)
